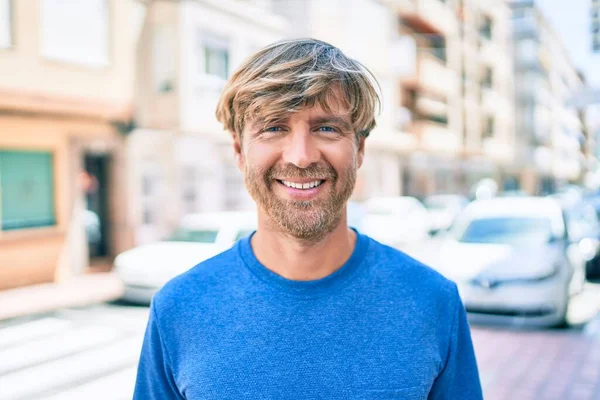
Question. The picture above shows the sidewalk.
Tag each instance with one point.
(537, 365)
(78, 291)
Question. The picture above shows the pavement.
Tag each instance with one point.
(532, 365)
(78, 291)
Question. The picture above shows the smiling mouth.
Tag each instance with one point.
(302, 186)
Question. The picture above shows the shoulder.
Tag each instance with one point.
(399, 270)
(196, 286)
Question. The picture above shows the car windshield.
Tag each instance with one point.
(507, 230)
(191, 235)
(442, 203)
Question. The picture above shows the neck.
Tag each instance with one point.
(299, 260)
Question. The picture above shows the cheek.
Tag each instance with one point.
(258, 156)
(342, 155)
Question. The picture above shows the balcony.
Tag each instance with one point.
(427, 16)
(525, 27)
(432, 75)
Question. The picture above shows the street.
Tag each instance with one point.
(92, 353)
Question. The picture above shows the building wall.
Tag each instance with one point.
(35, 255)
(24, 68)
(68, 109)
(158, 85)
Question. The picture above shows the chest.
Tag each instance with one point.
(308, 354)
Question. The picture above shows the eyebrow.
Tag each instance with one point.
(331, 119)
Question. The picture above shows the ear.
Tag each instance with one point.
(237, 152)
(361, 151)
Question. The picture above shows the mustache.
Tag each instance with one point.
(313, 171)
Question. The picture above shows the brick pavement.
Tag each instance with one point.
(523, 365)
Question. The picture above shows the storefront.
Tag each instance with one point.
(61, 196)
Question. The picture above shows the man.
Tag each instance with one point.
(305, 308)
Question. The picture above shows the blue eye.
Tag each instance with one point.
(327, 129)
(272, 129)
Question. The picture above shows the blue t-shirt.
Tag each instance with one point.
(382, 326)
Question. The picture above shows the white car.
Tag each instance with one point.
(512, 261)
(396, 221)
(443, 209)
(145, 269)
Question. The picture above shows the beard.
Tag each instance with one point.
(307, 220)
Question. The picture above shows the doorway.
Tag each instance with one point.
(97, 214)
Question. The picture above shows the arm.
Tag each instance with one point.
(459, 378)
(155, 378)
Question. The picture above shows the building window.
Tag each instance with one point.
(190, 189)
(76, 31)
(215, 52)
(150, 192)
(26, 190)
(486, 28)
(488, 78)
(526, 51)
(438, 119)
(6, 28)
(488, 127)
(438, 47)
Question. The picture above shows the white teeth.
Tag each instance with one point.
(308, 185)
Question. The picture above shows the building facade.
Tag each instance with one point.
(457, 94)
(551, 138)
(66, 92)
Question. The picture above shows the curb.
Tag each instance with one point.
(79, 291)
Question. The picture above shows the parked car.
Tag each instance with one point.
(512, 260)
(396, 221)
(443, 209)
(584, 227)
(145, 269)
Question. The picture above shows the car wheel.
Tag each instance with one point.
(563, 321)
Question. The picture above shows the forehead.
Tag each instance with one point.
(331, 105)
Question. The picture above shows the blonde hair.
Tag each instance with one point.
(290, 75)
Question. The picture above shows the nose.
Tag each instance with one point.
(302, 149)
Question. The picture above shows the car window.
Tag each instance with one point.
(191, 235)
(582, 222)
(507, 230)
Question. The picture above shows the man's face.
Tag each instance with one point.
(301, 170)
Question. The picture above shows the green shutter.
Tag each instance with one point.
(26, 189)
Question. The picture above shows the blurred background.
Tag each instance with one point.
(115, 175)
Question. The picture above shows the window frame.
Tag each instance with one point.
(212, 43)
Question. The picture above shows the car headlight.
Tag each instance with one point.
(490, 283)
(588, 247)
